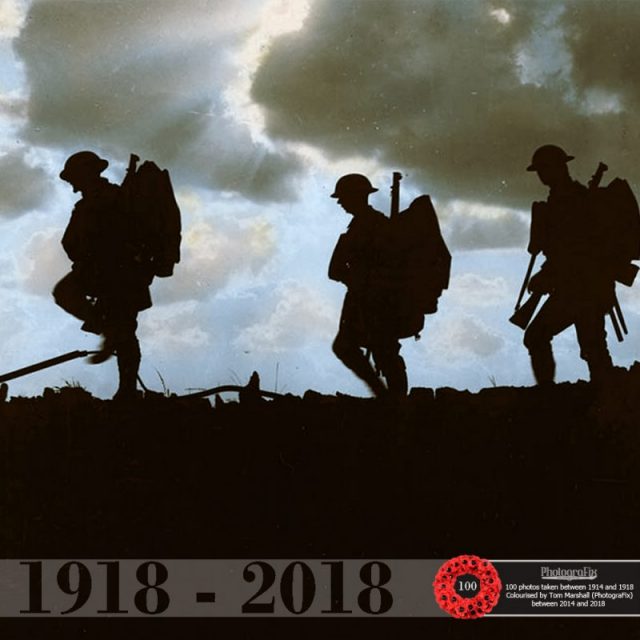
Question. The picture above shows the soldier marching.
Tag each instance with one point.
(579, 272)
(108, 284)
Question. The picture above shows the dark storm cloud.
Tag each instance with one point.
(22, 186)
(445, 89)
(603, 39)
(146, 77)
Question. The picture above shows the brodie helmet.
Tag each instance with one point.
(83, 163)
(353, 183)
(548, 155)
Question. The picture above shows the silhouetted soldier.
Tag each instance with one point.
(577, 272)
(108, 284)
(359, 262)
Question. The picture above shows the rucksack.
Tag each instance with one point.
(423, 265)
(154, 214)
(619, 216)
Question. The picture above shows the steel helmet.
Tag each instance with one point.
(548, 155)
(82, 163)
(353, 183)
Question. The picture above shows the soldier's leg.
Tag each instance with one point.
(351, 355)
(592, 339)
(70, 295)
(122, 337)
(388, 359)
(128, 355)
(554, 317)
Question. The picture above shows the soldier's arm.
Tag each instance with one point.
(538, 230)
(73, 241)
(543, 281)
(339, 264)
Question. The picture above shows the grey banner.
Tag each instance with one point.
(299, 588)
(218, 588)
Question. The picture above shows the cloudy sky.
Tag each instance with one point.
(256, 107)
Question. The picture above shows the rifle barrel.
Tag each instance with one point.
(45, 364)
(527, 277)
(618, 311)
(616, 326)
(395, 193)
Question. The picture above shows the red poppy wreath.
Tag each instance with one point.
(467, 587)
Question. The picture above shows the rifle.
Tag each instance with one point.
(395, 193)
(522, 314)
(131, 169)
(394, 211)
(51, 362)
(617, 320)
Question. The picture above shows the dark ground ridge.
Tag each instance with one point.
(503, 473)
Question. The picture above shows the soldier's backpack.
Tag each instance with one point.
(618, 211)
(154, 215)
(422, 263)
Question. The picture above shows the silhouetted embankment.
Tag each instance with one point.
(504, 473)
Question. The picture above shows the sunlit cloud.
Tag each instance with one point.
(501, 15)
(276, 18)
(299, 317)
(12, 17)
(465, 336)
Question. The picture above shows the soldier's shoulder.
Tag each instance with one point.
(112, 194)
(378, 217)
(111, 188)
(580, 191)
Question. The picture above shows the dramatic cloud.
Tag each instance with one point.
(471, 226)
(215, 249)
(43, 262)
(460, 93)
(461, 337)
(472, 290)
(23, 187)
(603, 41)
(299, 317)
(11, 18)
(147, 77)
(175, 329)
(253, 104)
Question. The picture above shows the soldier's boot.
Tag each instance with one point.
(105, 351)
(601, 367)
(94, 320)
(538, 343)
(363, 369)
(69, 295)
(353, 358)
(374, 383)
(128, 354)
(395, 373)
